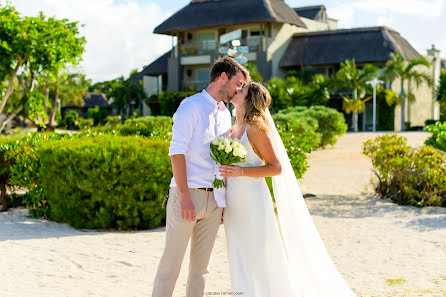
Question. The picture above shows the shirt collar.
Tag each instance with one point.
(214, 102)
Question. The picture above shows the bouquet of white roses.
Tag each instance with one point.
(226, 151)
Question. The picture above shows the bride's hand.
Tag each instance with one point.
(231, 170)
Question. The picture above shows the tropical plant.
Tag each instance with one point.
(33, 45)
(124, 94)
(407, 176)
(253, 71)
(299, 88)
(354, 79)
(438, 138)
(65, 87)
(406, 72)
(441, 89)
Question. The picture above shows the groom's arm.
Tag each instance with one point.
(179, 173)
(184, 122)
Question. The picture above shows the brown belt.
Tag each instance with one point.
(206, 189)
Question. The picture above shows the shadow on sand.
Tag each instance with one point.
(366, 205)
(15, 225)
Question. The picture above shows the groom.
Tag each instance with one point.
(192, 210)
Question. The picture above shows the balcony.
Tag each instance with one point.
(198, 47)
(194, 85)
(207, 47)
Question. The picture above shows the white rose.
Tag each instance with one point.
(237, 152)
(227, 142)
(220, 147)
(228, 149)
(215, 141)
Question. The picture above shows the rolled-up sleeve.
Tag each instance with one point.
(184, 122)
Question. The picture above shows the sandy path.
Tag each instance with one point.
(381, 249)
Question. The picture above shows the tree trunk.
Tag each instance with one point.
(122, 115)
(10, 117)
(403, 107)
(52, 115)
(47, 94)
(20, 107)
(10, 88)
(3, 194)
(355, 113)
(355, 121)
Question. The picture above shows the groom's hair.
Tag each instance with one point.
(229, 66)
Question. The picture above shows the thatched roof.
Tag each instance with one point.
(311, 12)
(212, 13)
(92, 100)
(365, 45)
(157, 67)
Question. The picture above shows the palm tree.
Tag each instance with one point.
(354, 79)
(398, 67)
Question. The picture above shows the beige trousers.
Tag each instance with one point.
(178, 231)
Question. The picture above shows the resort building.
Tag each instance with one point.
(279, 38)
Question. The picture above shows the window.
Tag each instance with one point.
(203, 74)
(206, 40)
(256, 32)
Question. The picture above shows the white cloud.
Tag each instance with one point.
(119, 34)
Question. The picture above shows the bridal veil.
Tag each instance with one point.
(310, 264)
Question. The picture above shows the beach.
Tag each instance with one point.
(381, 249)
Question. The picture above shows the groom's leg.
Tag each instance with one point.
(178, 232)
(203, 239)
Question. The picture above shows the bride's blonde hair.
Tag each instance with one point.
(257, 101)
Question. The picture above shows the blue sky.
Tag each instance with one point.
(119, 32)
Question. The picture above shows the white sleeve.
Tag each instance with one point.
(185, 121)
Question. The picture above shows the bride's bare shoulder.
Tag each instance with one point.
(255, 131)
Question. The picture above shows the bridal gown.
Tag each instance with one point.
(256, 254)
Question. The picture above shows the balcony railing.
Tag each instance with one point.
(198, 47)
(211, 46)
(194, 85)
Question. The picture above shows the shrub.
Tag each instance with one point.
(85, 123)
(24, 169)
(6, 145)
(98, 114)
(158, 127)
(331, 123)
(69, 120)
(299, 137)
(169, 101)
(106, 181)
(405, 175)
(438, 138)
(112, 121)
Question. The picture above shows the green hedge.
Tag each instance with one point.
(22, 170)
(159, 127)
(154, 127)
(438, 138)
(331, 123)
(106, 181)
(6, 146)
(408, 176)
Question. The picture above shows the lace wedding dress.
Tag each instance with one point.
(268, 258)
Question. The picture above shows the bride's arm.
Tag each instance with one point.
(261, 142)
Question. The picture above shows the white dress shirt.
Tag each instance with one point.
(197, 121)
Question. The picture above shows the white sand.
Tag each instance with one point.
(370, 240)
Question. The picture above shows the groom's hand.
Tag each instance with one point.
(187, 208)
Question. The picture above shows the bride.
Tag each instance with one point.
(269, 258)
